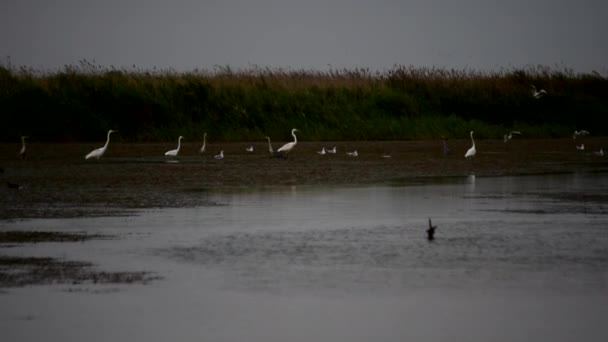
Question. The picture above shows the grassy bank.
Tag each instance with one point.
(80, 103)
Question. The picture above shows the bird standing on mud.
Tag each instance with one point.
(289, 146)
(202, 150)
(430, 233)
(22, 153)
(174, 153)
(472, 151)
(98, 153)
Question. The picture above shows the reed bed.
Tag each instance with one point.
(81, 102)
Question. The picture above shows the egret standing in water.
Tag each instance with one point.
(174, 153)
(100, 151)
(289, 146)
(202, 150)
(22, 153)
(472, 151)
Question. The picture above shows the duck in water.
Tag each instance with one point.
(430, 233)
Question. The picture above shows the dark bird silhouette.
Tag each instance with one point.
(430, 233)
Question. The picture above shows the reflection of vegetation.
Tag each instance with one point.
(83, 102)
(21, 271)
(38, 236)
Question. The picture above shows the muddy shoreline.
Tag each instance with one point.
(56, 180)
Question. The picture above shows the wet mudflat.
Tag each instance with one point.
(315, 247)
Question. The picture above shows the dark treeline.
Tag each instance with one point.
(80, 103)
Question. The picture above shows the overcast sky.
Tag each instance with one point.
(189, 34)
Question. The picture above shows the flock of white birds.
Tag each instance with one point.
(285, 149)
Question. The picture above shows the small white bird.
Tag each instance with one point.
(386, 156)
(322, 152)
(174, 153)
(580, 147)
(599, 153)
(22, 153)
(219, 156)
(289, 146)
(472, 151)
(510, 136)
(581, 132)
(100, 151)
(353, 153)
(333, 150)
(202, 150)
(249, 149)
(537, 94)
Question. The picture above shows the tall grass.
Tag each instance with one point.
(80, 103)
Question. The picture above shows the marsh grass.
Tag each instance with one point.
(80, 103)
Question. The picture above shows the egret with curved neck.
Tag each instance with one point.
(100, 151)
(269, 146)
(472, 151)
(22, 153)
(174, 153)
(289, 146)
(202, 150)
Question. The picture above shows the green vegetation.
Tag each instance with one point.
(80, 103)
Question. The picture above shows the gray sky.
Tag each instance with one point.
(188, 34)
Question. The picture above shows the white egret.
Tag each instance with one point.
(269, 146)
(581, 132)
(537, 94)
(202, 150)
(219, 156)
(472, 151)
(249, 149)
(353, 153)
(430, 233)
(581, 147)
(322, 152)
(599, 153)
(289, 146)
(22, 153)
(333, 150)
(174, 153)
(100, 151)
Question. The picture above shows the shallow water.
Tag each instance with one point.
(516, 258)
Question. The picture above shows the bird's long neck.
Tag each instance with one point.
(295, 139)
(269, 145)
(179, 143)
(108, 140)
(472, 141)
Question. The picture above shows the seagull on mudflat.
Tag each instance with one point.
(353, 153)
